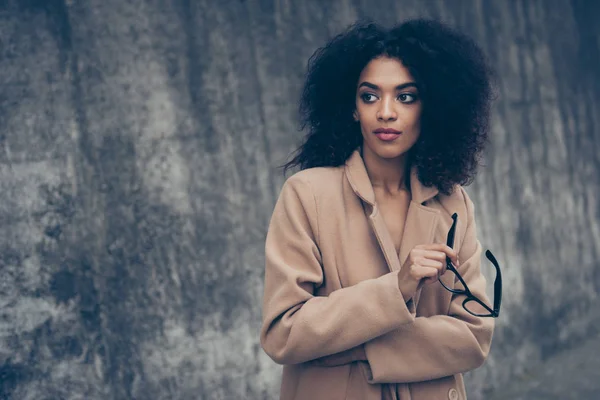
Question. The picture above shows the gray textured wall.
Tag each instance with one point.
(138, 146)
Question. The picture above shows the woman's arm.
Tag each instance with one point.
(441, 345)
(298, 326)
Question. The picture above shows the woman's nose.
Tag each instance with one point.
(386, 111)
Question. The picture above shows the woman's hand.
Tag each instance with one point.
(425, 264)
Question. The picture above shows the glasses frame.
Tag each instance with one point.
(495, 312)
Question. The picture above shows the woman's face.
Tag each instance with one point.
(388, 108)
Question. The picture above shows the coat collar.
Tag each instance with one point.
(420, 221)
(361, 184)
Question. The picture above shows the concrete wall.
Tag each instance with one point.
(138, 146)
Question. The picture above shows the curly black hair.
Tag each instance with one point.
(455, 83)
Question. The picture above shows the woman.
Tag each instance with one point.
(356, 244)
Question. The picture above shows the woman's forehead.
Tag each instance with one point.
(385, 72)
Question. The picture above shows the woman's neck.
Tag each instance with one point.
(386, 175)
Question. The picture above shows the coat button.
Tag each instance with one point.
(452, 394)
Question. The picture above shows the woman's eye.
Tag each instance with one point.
(368, 97)
(407, 97)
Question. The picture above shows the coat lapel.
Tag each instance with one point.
(421, 220)
(361, 184)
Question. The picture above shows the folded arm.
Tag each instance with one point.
(440, 345)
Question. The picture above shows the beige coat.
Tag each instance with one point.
(333, 314)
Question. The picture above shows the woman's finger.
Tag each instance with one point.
(435, 255)
(438, 264)
(423, 272)
(447, 251)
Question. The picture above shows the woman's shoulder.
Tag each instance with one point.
(319, 179)
(456, 201)
(312, 188)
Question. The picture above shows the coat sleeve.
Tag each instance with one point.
(299, 326)
(441, 345)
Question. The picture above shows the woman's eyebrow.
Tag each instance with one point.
(407, 84)
(369, 85)
(399, 87)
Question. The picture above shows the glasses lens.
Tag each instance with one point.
(475, 307)
(458, 287)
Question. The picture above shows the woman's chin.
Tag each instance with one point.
(389, 150)
(389, 153)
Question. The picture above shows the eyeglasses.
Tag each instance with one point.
(471, 298)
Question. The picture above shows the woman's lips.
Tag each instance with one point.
(386, 137)
(387, 134)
